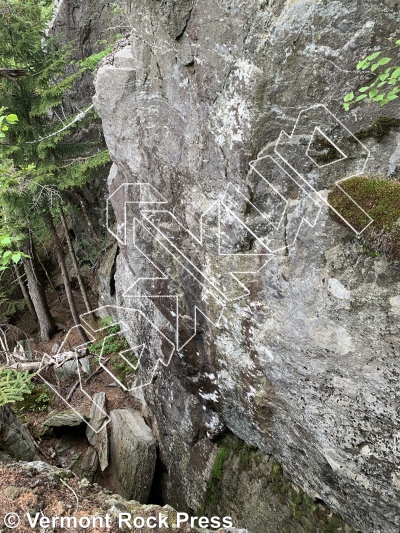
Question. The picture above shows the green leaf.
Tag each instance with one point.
(346, 107)
(396, 73)
(391, 97)
(361, 97)
(373, 93)
(378, 98)
(349, 97)
(373, 56)
(384, 61)
(12, 118)
(384, 102)
(360, 64)
(16, 257)
(365, 65)
(363, 89)
(4, 241)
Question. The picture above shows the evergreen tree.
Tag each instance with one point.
(40, 159)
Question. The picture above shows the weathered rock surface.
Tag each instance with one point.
(305, 366)
(88, 466)
(63, 419)
(96, 432)
(15, 439)
(252, 488)
(132, 454)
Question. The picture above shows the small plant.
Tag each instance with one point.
(216, 477)
(109, 345)
(37, 401)
(112, 341)
(90, 63)
(122, 368)
(5, 121)
(42, 401)
(384, 88)
(117, 9)
(14, 386)
(109, 321)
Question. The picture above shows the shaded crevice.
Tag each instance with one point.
(156, 492)
(112, 274)
(185, 25)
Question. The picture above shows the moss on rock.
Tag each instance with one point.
(253, 488)
(381, 200)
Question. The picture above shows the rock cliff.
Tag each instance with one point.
(300, 359)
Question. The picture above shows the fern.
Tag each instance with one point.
(14, 386)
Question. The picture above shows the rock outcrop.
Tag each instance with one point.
(16, 442)
(96, 432)
(304, 365)
(132, 454)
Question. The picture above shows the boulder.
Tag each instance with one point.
(89, 466)
(16, 440)
(70, 368)
(98, 439)
(67, 370)
(132, 454)
(63, 419)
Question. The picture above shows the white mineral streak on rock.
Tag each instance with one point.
(395, 303)
(338, 290)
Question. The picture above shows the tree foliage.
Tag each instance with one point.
(43, 154)
(42, 143)
(14, 385)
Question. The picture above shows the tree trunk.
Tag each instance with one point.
(85, 212)
(24, 290)
(37, 294)
(64, 273)
(74, 260)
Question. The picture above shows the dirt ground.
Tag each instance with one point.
(62, 446)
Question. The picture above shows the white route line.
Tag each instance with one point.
(147, 200)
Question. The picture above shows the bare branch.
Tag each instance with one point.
(78, 117)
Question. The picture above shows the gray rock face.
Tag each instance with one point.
(95, 432)
(15, 439)
(132, 454)
(89, 464)
(305, 365)
(63, 419)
